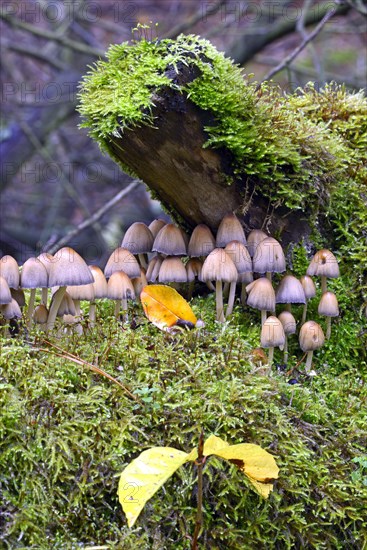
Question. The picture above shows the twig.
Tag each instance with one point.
(199, 514)
(94, 217)
(300, 27)
(48, 35)
(67, 355)
(36, 53)
(195, 18)
(358, 6)
(301, 47)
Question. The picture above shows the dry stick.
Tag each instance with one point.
(94, 217)
(301, 47)
(199, 514)
(78, 361)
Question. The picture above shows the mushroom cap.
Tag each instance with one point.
(100, 282)
(67, 306)
(240, 256)
(47, 259)
(155, 226)
(122, 260)
(218, 266)
(324, 264)
(308, 286)
(153, 268)
(68, 268)
(40, 314)
(9, 269)
(290, 291)
(139, 282)
(34, 274)
(172, 270)
(245, 278)
(202, 241)
(261, 295)
(288, 322)
(170, 241)
(254, 238)
(5, 295)
(230, 229)
(272, 333)
(120, 287)
(138, 239)
(11, 310)
(328, 305)
(18, 295)
(82, 292)
(193, 269)
(311, 336)
(269, 257)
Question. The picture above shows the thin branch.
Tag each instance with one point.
(301, 47)
(358, 6)
(195, 18)
(300, 27)
(94, 218)
(48, 35)
(36, 53)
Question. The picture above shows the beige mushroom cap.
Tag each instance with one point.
(324, 264)
(328, 305)
(170, 241)
(288, 322)
(120, 287)
(153, 268)
(138, 239)
(122, 260)
(311, 336)
(202, 241)
(230, 229)
(308, 286)
(193, 269)
(261, 294)
(218, 266)
(68, 268)
(11, 310)
(172, 270)
(269, 257)
(272, 333)
(34, 274)
(290, 291)
(155, 226)
(5, 295)
(9, 269)
(100, 282)
(254, 238)
(240, 256)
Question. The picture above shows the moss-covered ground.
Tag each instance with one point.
(67, 433)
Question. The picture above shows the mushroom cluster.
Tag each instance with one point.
(163, 253)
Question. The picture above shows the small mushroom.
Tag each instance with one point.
(242, 260)
(9, 269)
(328, 307)
(5, 294)
(261, 296)
(311, 337)
(254, 239)
(172, 270)
(122, 260)
(154, 266)
(120, 289)
(324, 265)
(272, 336)
(290, 291)
(230, 229)
(138, 239)
(269, 257)
(289, 326)
(202, 242)
(34, 275)
(170, 241)
(309, 290)
(155, 226)
(100, 291)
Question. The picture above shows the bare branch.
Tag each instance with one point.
(301, 47)
(195, 18)
(36, 53)
(94, 218)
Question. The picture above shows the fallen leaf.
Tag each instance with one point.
(166, 308)
(142, 478)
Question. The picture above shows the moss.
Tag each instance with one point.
(66, 434)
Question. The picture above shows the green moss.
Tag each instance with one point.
(66, 434)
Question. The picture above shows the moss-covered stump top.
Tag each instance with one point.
(305, 151)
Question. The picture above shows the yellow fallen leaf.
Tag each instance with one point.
(166, 308)
(142, 478)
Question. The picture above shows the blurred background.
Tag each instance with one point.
(53, 177)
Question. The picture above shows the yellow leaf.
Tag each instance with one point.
(211, 446)
(256, 463)
(142, 478)
(165, 307)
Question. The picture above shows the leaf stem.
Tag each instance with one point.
(199, 514)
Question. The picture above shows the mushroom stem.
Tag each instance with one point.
(270, 357)
(288, 307)
(31, 308)
(225, 290)
(304, 314)
(328, 328)
(92, 313)
(117, 308)
(44, 296)
(232, 292)
(263, 316)
(268, 275)
(55, 304)
(323, 284)
(219, 301)
(309, 361)
(286, 350)
(143, 260)
(77, 308)
(243, 294)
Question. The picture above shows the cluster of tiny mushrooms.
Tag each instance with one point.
(229, 258)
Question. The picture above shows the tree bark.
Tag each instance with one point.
(191, 181)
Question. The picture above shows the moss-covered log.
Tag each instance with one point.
(207, 140)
